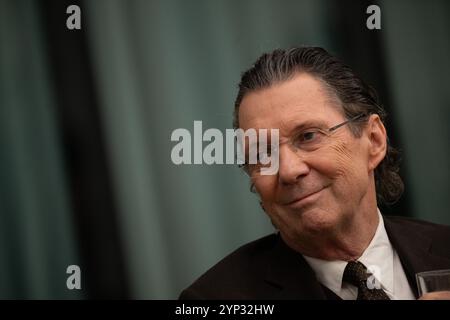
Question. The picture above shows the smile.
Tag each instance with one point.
(305, 199)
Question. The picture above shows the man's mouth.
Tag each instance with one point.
(300, 200)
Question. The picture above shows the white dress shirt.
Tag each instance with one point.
(379, 257)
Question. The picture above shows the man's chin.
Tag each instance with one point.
(317, 221)
(309, 219)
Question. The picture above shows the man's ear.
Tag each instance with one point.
(376, 132)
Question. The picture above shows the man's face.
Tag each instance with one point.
(314, 191)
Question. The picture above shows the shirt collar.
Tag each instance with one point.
(378, 258)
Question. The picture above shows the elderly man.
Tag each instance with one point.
(335, 165)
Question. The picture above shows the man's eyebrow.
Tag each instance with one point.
(309, 124)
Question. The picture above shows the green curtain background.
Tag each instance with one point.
(36, 235)
(158, 66)
(418, 47)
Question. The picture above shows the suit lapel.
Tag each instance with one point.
(291, 276)
(330, 295)
(414, 250)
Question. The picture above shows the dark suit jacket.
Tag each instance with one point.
(268, 269)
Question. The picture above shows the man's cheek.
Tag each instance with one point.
(349, 180)
(341, 151)
(339, 163)
(279, 217)
(265, 187)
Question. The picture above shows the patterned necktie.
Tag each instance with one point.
(356, 274)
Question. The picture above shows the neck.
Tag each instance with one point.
(352, 241)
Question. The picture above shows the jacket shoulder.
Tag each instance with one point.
(237, 276)
(418, 224)
(438, 233)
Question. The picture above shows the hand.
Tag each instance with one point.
(438, 295)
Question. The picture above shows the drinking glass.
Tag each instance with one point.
(431, 281)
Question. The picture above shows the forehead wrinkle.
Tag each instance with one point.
(282, 104)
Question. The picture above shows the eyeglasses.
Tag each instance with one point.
(308, 139)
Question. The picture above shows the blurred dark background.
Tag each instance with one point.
(86, 117)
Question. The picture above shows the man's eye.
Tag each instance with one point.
(308, 136)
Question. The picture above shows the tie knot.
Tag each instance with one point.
(355, 273)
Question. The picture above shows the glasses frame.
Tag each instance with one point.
(329, 130)
(334, 128)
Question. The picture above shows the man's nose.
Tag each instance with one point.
(292, 165)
